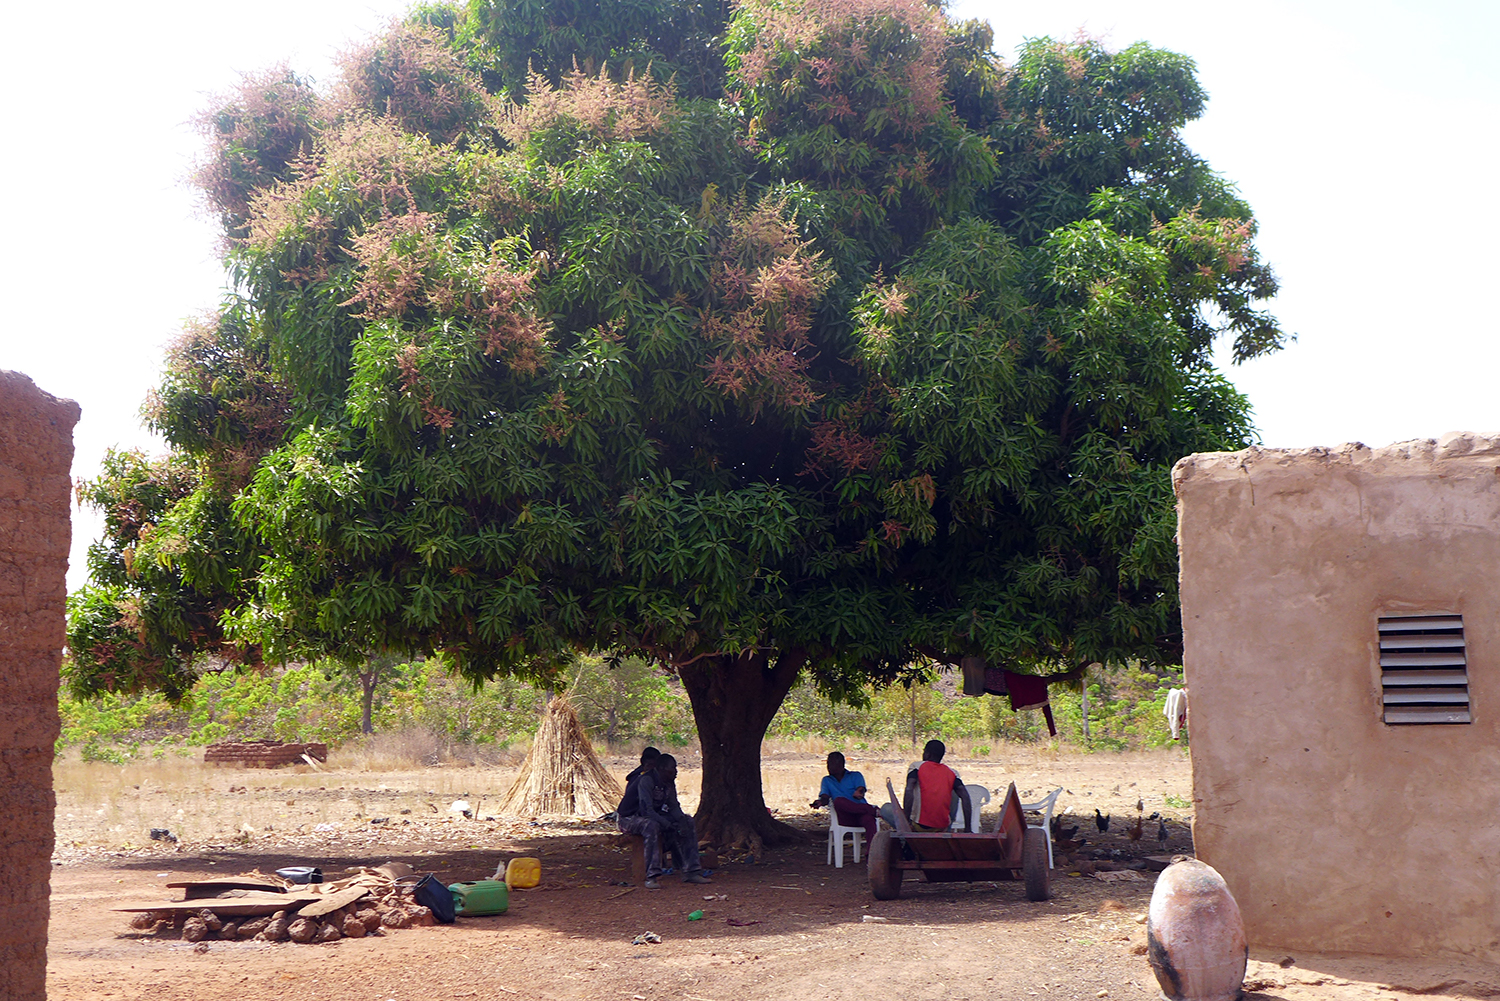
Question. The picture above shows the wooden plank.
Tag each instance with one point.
(935, 849)
(1010, 827)
(196, 889)
(246, 905)
(961, 863)
(969, 875)
(334, 901)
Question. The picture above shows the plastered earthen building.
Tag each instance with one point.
(1341, 615)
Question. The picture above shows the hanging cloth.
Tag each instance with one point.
(1027, 691)
(1176, 710)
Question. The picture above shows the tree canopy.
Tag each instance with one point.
(793, 336)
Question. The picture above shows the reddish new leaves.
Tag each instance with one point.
(410, 263)
(789, 34)
(411, 75)
(637, 106)
(766, 284)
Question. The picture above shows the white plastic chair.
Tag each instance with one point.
(978, 797)
(836, 832)
(1044, 807)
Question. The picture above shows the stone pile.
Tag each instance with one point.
(363, 902)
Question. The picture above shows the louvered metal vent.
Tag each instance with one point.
(1424, 675)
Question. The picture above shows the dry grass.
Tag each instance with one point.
(416, 749)
(562, 774)
(107, 805)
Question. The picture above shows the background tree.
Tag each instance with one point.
(878, 361)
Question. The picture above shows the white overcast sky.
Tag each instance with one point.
(1364, 134)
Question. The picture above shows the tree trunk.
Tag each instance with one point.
(734, 700)
(1085, 705)
(911, 693)
(367, 681)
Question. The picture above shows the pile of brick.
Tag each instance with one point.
(362, 902)
(263, 753)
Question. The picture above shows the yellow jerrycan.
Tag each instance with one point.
(523, 873)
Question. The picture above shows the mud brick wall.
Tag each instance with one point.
(263, 753)
(36, 451)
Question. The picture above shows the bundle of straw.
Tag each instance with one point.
(562, 775)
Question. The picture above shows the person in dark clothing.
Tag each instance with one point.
(657, 817)
(648, 758)
(627, 802)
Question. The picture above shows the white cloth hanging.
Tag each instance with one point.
(1176, 710)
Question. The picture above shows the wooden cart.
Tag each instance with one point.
(1009, 850)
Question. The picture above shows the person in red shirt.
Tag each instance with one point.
(939, 785)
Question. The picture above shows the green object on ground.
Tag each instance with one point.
(696, 916)
(480, 898)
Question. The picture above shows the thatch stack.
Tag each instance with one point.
(562, 775)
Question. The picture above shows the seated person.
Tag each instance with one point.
(843, 792)
(650, 809)
(939, 786)
(648, 758)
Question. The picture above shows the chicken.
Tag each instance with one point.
(1135, 829)
(1101, 820)
(1161, 833)
(1060, 833)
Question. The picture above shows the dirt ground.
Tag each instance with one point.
(789, 926)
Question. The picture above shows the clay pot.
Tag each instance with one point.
(1195, 936)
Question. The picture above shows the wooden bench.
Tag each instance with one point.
(637, 846)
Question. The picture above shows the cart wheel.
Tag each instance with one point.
(1034, 864)
(885, 878)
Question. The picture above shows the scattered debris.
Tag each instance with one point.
(873, 919)
(1122, 876)
(360, 902)
(741, 922)
(646, 938)
(162, 834)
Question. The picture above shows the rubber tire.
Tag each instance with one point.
(1034, 867)
(885, 878)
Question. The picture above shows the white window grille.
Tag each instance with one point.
(1424, 673)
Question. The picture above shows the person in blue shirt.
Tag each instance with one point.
(844, 792)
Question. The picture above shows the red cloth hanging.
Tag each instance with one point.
(1027, 691)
